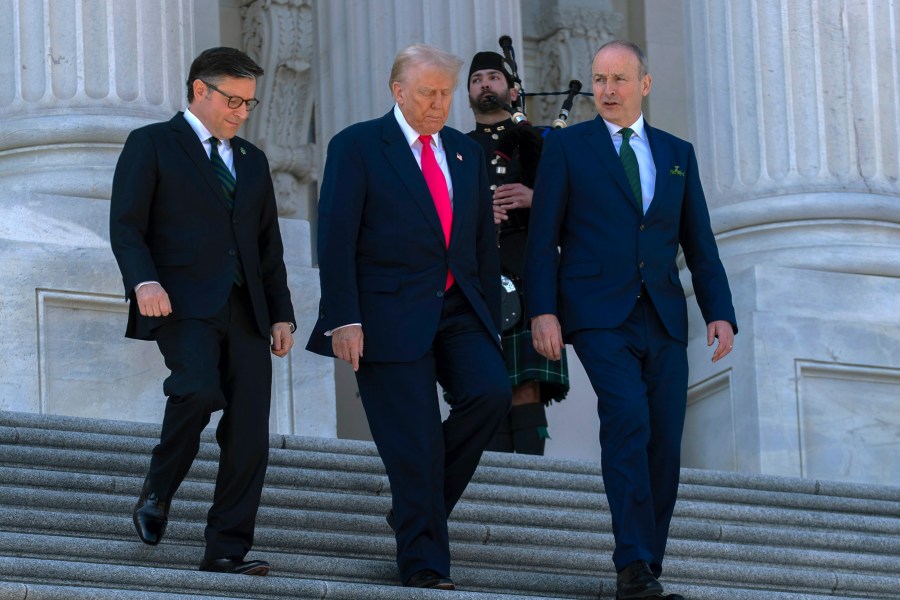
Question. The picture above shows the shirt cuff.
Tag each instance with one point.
(328, 333)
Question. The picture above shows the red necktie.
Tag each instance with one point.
(437, 185)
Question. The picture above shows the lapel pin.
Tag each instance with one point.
(243, 151)
(458, 156)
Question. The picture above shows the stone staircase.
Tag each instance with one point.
(527, 527)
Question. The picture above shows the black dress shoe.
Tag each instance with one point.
(430, 579)
(390, 519)
(636, 581)
(236, 565)
(150, 516)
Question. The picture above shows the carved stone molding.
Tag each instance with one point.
(279, 35)
(564, 50)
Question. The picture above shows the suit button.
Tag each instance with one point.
(641, 266)
(642, 227)
(231, 253)
(440, 294)
(235, 222)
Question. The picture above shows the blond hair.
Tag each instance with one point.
(419, 55)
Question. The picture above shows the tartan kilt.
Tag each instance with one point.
(523, 363)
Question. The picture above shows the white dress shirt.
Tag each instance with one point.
(412, 138)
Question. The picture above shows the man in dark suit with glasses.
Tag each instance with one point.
(194, 228)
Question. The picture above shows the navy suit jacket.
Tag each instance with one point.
(382, 257)
(169, 223)
(583, 204)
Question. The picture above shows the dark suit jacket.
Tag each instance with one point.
(583, 203)
(169, 223)
(382, 255)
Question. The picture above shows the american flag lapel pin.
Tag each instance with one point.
(458, 156)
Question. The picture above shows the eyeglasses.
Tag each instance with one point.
(234, 101)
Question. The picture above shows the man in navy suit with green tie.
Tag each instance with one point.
(613, 201)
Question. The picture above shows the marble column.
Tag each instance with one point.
(358, 41)
(796, 122)
(78, 76)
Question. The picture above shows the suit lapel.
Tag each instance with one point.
(455, 165)
(601, 142)
(400, 156)
(662, 158)
(241, 169)
(193, 147)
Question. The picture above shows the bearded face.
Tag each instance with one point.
(485, 84)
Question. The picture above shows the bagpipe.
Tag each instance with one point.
(524, 141)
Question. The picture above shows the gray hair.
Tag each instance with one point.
(643, 65)
(423, 55)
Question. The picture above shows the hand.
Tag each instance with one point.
(153, 301)
(546, 336)
(347, 344)
(282, 339)
(508, 197)
(725, 334)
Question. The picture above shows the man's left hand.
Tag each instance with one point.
(725, 334)
(282, 339)
(509, 197)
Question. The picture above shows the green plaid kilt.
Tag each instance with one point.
(523, 363)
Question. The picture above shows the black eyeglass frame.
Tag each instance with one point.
(251, 103)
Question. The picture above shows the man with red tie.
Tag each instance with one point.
(410, 277)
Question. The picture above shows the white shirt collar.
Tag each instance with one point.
(637, 127)
(199, 128)
(411, 135)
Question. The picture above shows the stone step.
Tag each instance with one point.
(527, 526)
(875, 517)
(47, 506)
(181, 558)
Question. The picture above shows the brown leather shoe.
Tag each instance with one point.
(150, 516)
(235, 565)
(636, 581)
(430, 579)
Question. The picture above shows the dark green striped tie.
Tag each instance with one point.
(228, 185)
(632, 172)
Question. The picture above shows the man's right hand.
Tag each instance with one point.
(546, 336)
(347, 344)
(153, 301)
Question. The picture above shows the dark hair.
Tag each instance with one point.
(643, 65)
(215, 63)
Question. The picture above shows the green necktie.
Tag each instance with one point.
(632, 172)
(228, 185)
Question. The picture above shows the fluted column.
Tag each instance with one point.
(359, 39)
(78, 75)
(796, 123)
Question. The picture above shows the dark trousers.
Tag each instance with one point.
(639, 374)
(429, 463)
(221, 363)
